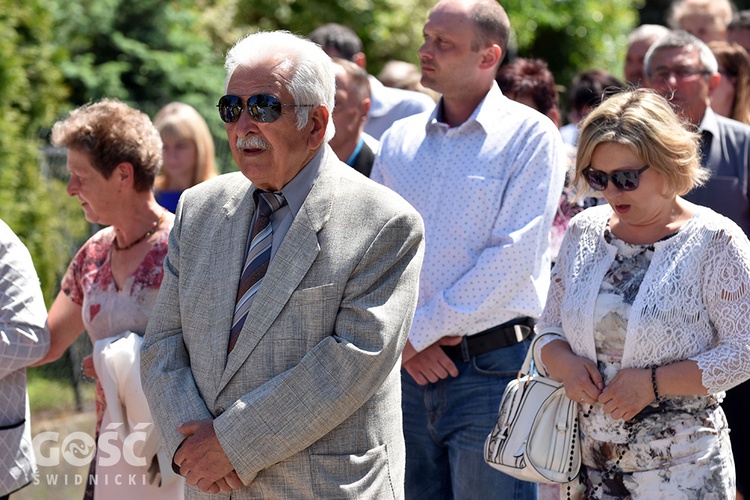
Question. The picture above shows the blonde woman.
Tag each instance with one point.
(651, 292)
(188, 152)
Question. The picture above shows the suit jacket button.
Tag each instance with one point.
(218, 411)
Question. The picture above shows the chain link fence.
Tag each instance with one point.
(68, 368)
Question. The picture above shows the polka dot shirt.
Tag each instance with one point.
(487, 191)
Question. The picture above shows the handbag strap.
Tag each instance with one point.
(529, 364)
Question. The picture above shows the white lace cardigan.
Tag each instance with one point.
(694, 302)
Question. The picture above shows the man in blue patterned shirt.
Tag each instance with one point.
(486, 174)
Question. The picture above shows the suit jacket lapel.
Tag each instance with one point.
(234, 226)
(291, 263)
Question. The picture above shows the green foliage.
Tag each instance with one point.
(140, 51)
(144, 52)
(573, 35)
(389, 29)
(30, 96)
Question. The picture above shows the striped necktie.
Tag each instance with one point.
(257, 259)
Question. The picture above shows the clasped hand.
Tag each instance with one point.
(202, 460)
(628, 393)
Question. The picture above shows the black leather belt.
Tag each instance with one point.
(497, 337)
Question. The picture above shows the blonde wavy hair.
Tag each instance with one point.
(183, 122)
(645, 122)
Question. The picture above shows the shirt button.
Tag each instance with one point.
(218, 411)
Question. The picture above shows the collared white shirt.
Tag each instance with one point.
(487, 191)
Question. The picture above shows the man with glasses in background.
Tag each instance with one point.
(684, 70)
(282, 380)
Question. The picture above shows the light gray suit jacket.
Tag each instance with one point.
(308, 404)
(23, 340)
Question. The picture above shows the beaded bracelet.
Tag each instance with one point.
(653, 382)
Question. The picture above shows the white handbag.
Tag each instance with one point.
(536, 435)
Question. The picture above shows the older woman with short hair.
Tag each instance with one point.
(109, 290)
(652, 293)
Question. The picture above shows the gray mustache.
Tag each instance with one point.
(252, 142)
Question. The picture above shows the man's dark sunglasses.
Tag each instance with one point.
(263, 108)
(624, 180)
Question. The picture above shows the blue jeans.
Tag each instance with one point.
(446, 424)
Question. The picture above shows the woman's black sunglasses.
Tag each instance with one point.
(624, 180)
(263, 108)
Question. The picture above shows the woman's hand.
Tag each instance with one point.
(580, 376)
(582, 380)
(628, 393)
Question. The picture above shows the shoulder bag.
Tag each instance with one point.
(536, 435)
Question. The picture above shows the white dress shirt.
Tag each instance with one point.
(487, 191)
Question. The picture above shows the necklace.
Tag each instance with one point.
(151, 231)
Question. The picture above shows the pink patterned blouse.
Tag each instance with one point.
(107, 310)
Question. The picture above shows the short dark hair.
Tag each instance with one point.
(492, 24)
(529, 77)
(590, 88)
(338, 37)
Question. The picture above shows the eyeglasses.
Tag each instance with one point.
(624, 180)
(263, 108)
(683, 73)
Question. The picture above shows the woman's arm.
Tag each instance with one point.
(65, 324)
(682, 378)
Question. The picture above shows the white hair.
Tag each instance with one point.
(647, 33)
(311, 74)
(679, 39)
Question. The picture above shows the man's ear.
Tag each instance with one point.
(713, 81)
(360, 60)
(491, 56)
(319, 120)
(365, 108)
(554, 115)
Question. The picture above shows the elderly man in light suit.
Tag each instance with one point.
(304, 401)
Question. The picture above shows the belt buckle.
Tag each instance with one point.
(464, 346)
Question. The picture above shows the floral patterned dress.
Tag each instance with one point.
(675, 448)
(109, 311)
